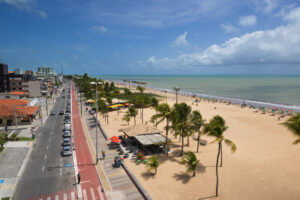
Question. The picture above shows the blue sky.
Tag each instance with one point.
(152, 37)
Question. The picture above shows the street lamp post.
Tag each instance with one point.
(96, 83)
(177, 89)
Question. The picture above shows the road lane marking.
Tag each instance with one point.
(56, 197)
(93, 194)
(72, 196)
(47, 147)
(84, 181)
(84, 194)
(65, 196)
(43, 168)
(45, 157)
(49, 198)
(100, 193)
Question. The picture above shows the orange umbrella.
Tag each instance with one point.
(115, 139)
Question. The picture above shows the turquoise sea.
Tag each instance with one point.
(263, 88)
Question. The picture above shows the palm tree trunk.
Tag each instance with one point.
(107, 117)
(194, 173)
(167, 129)
(221, 163)
(142, 114)
(134, 121)
(188, 141)
(155, 171)
(217, 175)
(182, 142)
(198, 142)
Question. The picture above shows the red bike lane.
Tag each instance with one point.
(90, 184)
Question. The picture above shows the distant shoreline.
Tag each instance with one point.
(233, 100)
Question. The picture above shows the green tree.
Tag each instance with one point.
(215, 128)
(103, 108)
(197, 122)
(116, 94)
(3, 139)
(127, 92)
(141, 89)
(180, 117)
(190, 160)
(127, 118)
(163, 113)
(132, 111)
(293, 125)
(153, 163)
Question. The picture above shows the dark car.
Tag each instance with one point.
(64, 97)
(61, 112)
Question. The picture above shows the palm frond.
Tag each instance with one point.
(231, 144)
(296, 141)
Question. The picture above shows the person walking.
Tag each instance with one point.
(78, 178)
(103, 153)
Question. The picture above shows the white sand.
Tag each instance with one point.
(265, 166)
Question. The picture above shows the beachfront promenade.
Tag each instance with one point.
(116, 183)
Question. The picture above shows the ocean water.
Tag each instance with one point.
(273, 89)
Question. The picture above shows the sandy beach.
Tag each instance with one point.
(265, 165)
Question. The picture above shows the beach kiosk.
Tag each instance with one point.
(146, 138)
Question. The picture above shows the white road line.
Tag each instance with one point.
(47, 147)
(40, 199)
(100, 193)
(72, 196)
(65, 196)
(56, 197)
(49, 139)
(93, 194)
(84, 194)
(45, 157)
(81, 182)
(43, 168)
(49, 198)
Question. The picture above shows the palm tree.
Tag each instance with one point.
(141, 89)
(140, 102)
(163, 113)
(293, 124)
(197, 122)
(190, 160)
(116, 93)
(133, 113)
(179, 117)
(215, 128)
(153, 163)
(127, 118)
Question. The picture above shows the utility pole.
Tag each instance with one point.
(16, 120)
(47, 103)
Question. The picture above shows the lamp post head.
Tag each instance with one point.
(176, 89)
(92, 83)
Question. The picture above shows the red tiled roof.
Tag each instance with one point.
(9, 111)
(17, 92)
(12, 102)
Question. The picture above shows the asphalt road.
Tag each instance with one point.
(45, 172)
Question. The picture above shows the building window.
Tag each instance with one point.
(13, 83)
(1, 121)
(14, 88)
(20, 88)
(20, 83)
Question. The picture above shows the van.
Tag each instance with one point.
(67, 127)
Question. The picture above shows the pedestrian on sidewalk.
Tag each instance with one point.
(78, 177)
(103, 153)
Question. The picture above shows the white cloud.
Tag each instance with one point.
(181, 40)
(247, 20)
(26, 5)
(277, 46)
(270, 5)
(43, 14)
(229, 28)
(100, 29)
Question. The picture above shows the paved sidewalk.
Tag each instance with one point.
(117, 184)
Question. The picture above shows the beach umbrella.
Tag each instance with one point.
(115, 139)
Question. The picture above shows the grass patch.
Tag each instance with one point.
(1, 149)
(25, 139)
(5, 198)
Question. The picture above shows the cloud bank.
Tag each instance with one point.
(277, 46)
(181, 40)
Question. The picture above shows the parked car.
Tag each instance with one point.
(67, 134)
(66, 144)
(66, 153)
(68, 139)
(67, 121)
(67, 127)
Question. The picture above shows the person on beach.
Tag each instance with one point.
(103, 153)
